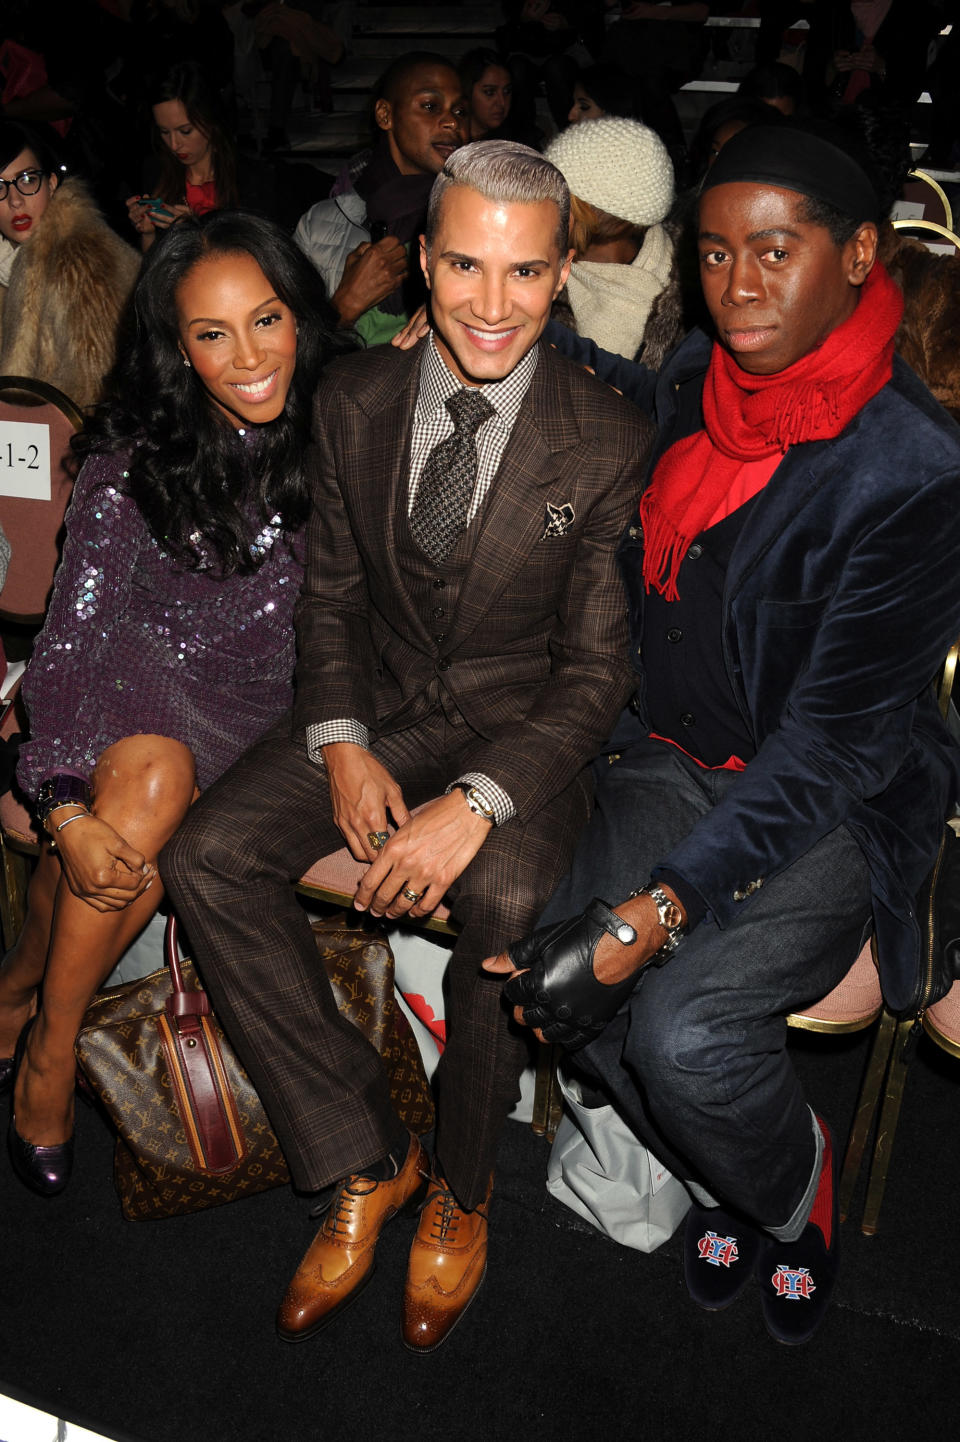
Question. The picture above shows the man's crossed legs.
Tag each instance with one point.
(230, 872)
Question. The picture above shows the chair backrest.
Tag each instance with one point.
(922, 189)
(947, 677)
(935, 237)
(33, 526)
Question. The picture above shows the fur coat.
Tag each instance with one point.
(67, 286)
(927, 338)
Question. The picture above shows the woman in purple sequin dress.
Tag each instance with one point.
(168, 646)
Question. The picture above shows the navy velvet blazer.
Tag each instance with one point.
(842, 598)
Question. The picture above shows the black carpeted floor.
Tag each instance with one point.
(163, 1332)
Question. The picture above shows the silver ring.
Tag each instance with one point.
(378, 839)
(411, 895)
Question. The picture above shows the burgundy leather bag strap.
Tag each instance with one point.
(181, 1002)
(197, 1075)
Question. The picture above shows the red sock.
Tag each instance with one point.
(821, 1214)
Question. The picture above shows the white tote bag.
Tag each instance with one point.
(605, 1174)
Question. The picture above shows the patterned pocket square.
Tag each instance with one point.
(559, 520)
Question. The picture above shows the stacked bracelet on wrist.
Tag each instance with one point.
(62, 790)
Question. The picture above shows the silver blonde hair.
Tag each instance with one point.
(502, 171)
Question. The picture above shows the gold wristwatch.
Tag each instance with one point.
(670, 918)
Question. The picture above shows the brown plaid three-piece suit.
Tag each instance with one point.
(520, 678)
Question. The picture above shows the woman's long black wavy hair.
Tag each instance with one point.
(194, 481)
(185, 82)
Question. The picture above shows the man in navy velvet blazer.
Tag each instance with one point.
(781, 784)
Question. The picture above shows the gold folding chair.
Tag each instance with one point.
(922, 188)
(881, 1093)
(931, 232)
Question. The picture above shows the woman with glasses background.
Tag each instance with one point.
(64, 274)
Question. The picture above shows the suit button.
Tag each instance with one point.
(439, 583)
(688, 719)
(674, 634)
(438, 613)
(440, 637)
(443, 664)
(694, 553)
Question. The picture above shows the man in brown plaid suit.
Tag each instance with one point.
(462, 643)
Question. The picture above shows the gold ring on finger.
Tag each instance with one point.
(413, 896)
(378, 839)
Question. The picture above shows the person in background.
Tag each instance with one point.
(298, 45)
(720, 123)
(359, 240)
(64, 275)
(488, 88)
(604, 89)
(168, 645)
(197, 168)
(623, 291)
(776, 84)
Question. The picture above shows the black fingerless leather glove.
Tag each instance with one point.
(559, 992)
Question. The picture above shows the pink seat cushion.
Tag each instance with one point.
(945, 1014)
(856, 998)
(16, 820)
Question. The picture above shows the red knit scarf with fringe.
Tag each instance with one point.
(749, 418)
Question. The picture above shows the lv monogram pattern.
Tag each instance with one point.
(359, 966)
(121, 1051)
(442, 501)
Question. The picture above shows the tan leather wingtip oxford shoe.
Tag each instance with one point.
(448, 1262)
(340, 1259)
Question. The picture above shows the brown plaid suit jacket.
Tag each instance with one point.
(536, 652)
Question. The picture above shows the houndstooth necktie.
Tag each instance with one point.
(442, 502)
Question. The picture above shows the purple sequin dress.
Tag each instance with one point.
(134, 644)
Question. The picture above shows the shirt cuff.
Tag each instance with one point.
(489, 792)
(325, 733)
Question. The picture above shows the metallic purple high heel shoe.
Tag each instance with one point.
(45, 1170)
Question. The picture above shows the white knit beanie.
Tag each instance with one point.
(617, 165)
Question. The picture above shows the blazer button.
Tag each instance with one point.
(688, 719)
(437, 614)
(694, 553)
(440, 637)
(674, 634)
(443, 664)
(439, 583)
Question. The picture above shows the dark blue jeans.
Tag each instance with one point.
(696, 1060)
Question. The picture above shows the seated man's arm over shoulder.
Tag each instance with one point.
(635, 381)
